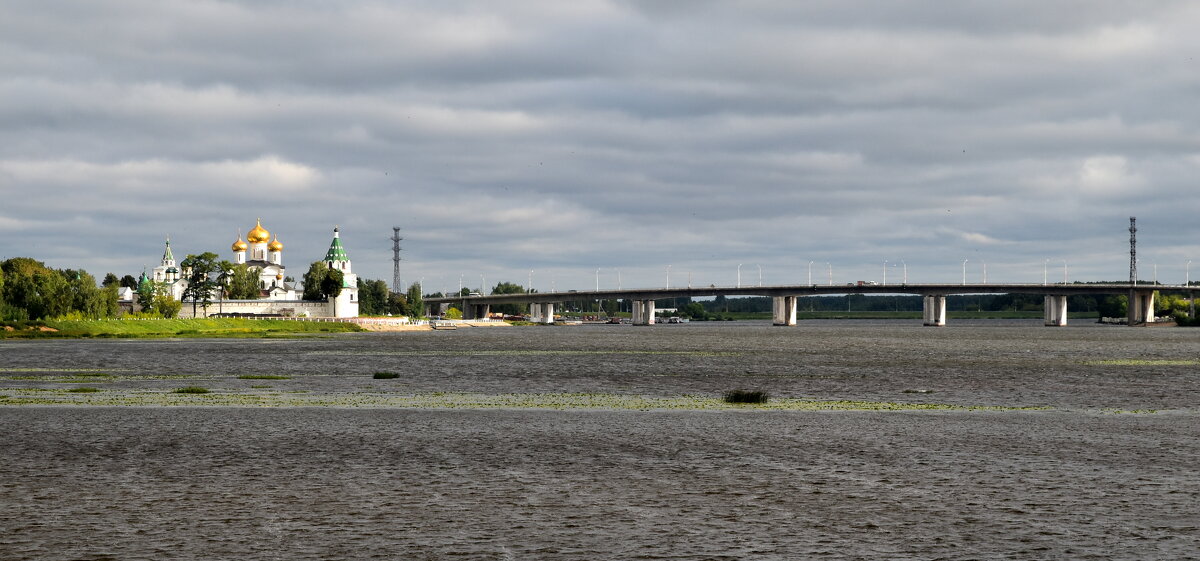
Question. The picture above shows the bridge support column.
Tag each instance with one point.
(1056, 310)
(785, 310)
(1141, 307)
(475, 311)
(935, 310)
(643, 312)
(541, 312)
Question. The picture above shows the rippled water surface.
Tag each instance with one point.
(1108, 470)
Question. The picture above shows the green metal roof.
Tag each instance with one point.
(167, 255)
(336, 251)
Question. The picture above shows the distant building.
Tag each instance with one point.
(264, 252)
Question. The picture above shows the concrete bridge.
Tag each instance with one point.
(785, 298)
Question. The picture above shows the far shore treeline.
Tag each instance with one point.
(31, 291)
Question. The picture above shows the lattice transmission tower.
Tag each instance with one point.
(1132, 250)
(396, 288)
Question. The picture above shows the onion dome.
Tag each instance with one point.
(275, 245)
(279, 276)
(258, 234)
(240, 245)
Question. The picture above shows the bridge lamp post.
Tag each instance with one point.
(885, 272)
(965, 271)
(529, 287)
(760, 275)
(668, 277)
(1155, 272)
(810, 273)
(618, 279)
(1187, 273)
(985, 272)
(1064, 271)
(739, 277)
(1045, 271)
(905, 271)
(597, 280)
(830, 266)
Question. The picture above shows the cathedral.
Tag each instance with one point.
(264, 252)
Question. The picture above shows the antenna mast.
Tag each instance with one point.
(1133, 250)
(396, 288)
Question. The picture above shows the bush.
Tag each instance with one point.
(83, 389)
(192, 389)
(746, 396)
(385, 375)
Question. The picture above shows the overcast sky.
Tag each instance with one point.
(562, 137)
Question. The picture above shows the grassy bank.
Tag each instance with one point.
(201, 327)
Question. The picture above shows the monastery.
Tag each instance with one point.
(264, 252)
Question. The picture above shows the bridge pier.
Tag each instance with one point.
(784, 310)
(935, 310)
(1141, 307)
(476, 311)
(541, 312)
(1056, 310)
(643, 312)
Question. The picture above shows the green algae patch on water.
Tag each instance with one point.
(515, 353)
(183, 327)
(1143, 362)
(467, 401)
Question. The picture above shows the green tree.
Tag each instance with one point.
(508, 288)
(373, 297)
(110, 279)
(166, 305)
(331, 285)
(200, 283)
(128, 281)
(416, 305)
(86, 298)
(241, 281)
(1116, 306)
(322, 282)
(453, 313)
(145, 294)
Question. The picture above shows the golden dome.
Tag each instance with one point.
(240, 245)
(279, 276)
(275, 245)
(258, 234)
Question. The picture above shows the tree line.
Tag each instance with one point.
(29, 290)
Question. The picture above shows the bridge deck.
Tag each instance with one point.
(1059, 289)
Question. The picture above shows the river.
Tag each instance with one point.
(1104, 467)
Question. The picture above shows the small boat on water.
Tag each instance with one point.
(441, 325)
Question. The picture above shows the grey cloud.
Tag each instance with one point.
(569, 136)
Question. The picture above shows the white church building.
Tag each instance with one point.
(264, 252)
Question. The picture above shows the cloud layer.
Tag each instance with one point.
(565, 137)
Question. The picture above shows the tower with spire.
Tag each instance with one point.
(346, 303)
(166, 272)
